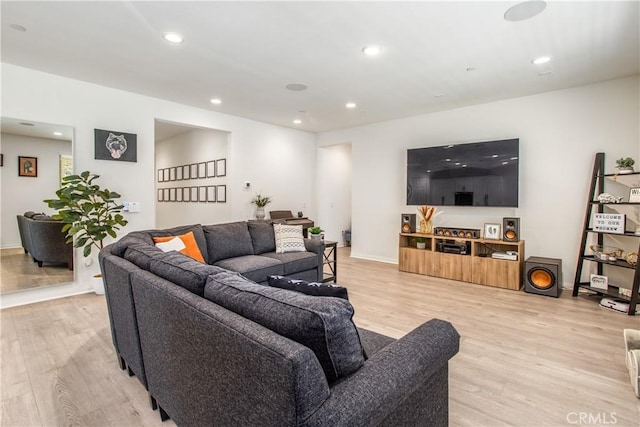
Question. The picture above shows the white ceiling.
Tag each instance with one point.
(35, 129)
(247, 52)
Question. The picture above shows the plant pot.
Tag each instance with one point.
(625, 170)
(98, 284)
(316, 236)
(260, 213)
(421, 245)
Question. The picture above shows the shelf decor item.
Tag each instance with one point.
(427, 214)
(606, 253)
(492, 231)
(625, 165)
(316, 233)
(421, 242)
(634, 195)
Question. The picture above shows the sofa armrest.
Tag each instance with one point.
(372, 394)
(314, 245)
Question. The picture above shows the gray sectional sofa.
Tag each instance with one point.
(215, 345)
(42, 238)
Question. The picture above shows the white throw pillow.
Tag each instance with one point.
(175, 244)
(288, 238)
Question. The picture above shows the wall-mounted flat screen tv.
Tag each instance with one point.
(474, 174)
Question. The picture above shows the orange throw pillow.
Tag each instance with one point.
(191, 247)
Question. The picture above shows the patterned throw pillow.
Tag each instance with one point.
(288, 238)
(309, 288)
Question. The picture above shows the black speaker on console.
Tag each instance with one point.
(408, 223)
(543, 276)
(511, 229)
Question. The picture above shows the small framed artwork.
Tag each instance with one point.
(172, 194)
(160, 195)
(211, 169)
(115, 145)
(202, 170)
(221, 167)
(179, 173)
(492, 231)
(221, 193)
(185, 172)
(186, 194)
(172, 174)
(599, 282)
(1, 160)
(165, 172)
(28, 166)
(166, 194)
(66, 167)
(194, 194)
(179, 194)
(193, 170)
(634, 195)
(202, 194)
(211, 193)
(160, 175)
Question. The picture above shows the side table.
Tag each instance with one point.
(330, 260)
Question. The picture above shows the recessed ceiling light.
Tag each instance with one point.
(524, 10)
(216, 101)
(26, 124)
(372, 50)
(350, 105)
(18, 27)
(541, 60)
(297, 121)
(173, 37)
(469, 69)
(296, 86)
(57, 133)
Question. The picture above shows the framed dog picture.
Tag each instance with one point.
(114, 145)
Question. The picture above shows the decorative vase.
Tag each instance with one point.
(426, 227)
(260, 212)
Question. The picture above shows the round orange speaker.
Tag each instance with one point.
(406, 228)
(440, 232)
(541, 278)
(447, 233)
(510, 234)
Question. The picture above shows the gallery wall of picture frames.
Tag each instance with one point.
(193, 193)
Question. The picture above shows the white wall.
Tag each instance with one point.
(559, 132)
(195, 146)
(21, 194)
(334, 190)
(278, 160)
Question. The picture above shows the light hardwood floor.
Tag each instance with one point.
(525, 360)
(18, 272)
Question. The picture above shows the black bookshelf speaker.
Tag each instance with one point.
(408, 223)
(511, 229)
(543, 276)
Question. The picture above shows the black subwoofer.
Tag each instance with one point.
(543, 276)
(408, 223)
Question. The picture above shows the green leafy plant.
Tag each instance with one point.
(419, 239)
(90, 213)
(261, 201)
(623, 162)
(315, 230)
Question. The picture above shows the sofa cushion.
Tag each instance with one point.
(295, 262)
(262, 236)
(31, 214)
(183, 271)
(141, 254)
(120, 247)
(227, 240)
(190, 246)
(308, 288)
(198, 234)
(288, 238)
(253, 267)
(324, 325)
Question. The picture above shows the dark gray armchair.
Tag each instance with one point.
(42, 237)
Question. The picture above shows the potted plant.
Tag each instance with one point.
(316, 233)
(421, 242)
(260, 201)
(625, 165)
(89, 212)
